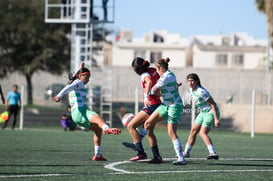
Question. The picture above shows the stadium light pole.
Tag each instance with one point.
(136, 101)
(253, 114)
(22, 108)
(268, 72)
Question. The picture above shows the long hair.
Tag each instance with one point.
(140, 65)
(163, 62)
(73, 77)
(195, 77)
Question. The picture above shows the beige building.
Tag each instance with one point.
(237, 51)
(151, 47)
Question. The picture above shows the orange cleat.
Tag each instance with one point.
(139, 157)
(114, 131)
(98, 158)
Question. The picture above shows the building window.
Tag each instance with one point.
(221, 60)
(154, 56)
(140, 53)
(237, 60)
(226, 41)
(158, 38)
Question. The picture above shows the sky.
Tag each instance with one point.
(190, 17)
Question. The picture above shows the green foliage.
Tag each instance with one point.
(260, 4)
(27, 43)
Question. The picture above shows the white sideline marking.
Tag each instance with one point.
(32, 175)
(111, 166)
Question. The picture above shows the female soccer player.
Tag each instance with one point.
(149, 78)
(209, 115)
(80, 112)
(171, 108)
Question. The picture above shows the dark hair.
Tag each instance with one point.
(15, 85)
(195, 77)
(73, 77)
(163, 62)
(140, 65)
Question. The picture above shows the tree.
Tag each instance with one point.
(266, 6)
(28, 44)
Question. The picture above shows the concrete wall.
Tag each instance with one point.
(241, 117)
(220, 83)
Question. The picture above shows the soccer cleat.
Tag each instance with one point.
(186, 154)
(114, 131)
(184, 162)
(212, 156)
(129, 145)
(156, 160)
(139, 157)
(98, 158)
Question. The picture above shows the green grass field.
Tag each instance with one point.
(52, 154)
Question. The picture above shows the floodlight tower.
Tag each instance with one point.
(82, 15)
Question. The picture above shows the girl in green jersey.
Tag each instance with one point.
(209, 116)
(81, 114)
(171, 107)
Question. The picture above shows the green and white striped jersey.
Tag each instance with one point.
(200, 96)
(77, 94)
(168, 87)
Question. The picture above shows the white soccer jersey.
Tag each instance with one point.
(200, 96)
(77, 93)
(168, 88)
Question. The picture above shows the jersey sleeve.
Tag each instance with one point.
(159, 84)
(204, 94)
(146, 74)
(75, 85)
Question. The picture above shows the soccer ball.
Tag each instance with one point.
(127, 118)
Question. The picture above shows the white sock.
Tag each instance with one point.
(211, 149)
(178, 149)
(98, 150)
(188, 148)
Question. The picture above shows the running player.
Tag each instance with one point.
(80, 112)
(149, 78)
(209, 115)
(171, 108)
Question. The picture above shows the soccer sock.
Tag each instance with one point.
(142, 133)
(211, 149)
(188, 148)
(140, 148)
(155, 151)
(98, 150)
(178, 149)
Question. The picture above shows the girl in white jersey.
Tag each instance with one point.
(80, 112)
(171, 108)
(209, 115)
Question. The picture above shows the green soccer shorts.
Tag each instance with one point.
(172, 113)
